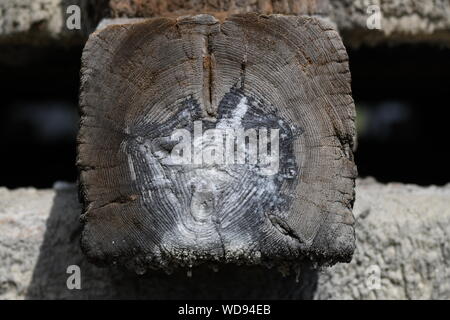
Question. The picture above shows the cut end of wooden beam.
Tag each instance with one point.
(216, 142)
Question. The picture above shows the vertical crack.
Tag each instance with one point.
(208, 76)
(243, 71)
(216, 222)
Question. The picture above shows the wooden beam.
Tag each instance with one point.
(145, 84)
(157, 8)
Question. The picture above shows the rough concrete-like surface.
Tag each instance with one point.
(38, 19)
(402, 21)
(40, 22)
(402, 229)
(405, 231)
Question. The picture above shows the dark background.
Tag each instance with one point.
(401, 95)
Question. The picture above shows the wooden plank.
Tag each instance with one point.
(146, 82)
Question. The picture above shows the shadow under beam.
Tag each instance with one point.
(60, 249)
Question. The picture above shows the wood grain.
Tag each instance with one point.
(143, 80)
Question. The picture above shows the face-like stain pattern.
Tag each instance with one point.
(212, 204)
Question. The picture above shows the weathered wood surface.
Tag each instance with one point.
(401, 21)
(143, 80)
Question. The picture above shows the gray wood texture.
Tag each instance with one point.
(143, 80)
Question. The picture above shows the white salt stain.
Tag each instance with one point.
(236, 116)
(131, 167)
